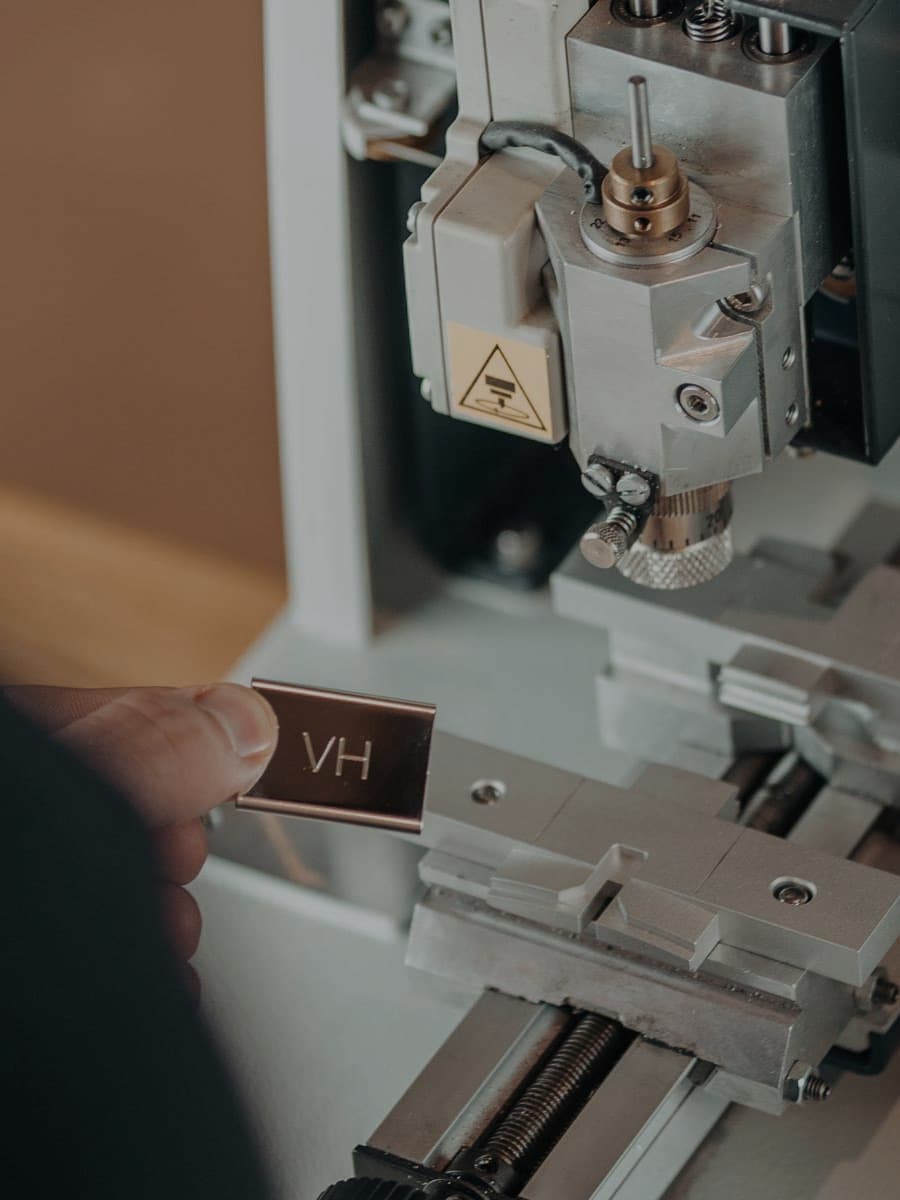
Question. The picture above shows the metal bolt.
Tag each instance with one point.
(598, 479)
(393, 19)
(748, 302)
(794, 894)
(788, 358)
(698, 404)
(607, 542)
(426, 390)
(816, 1088)
(488, 791)
(412, 217)
(442, 34)
(634, 489)
(391, 94)
(886, 993)
(792, 416)
(803, 1083)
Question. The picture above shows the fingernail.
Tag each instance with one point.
(244, 715)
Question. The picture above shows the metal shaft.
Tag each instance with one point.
(639, 110)
(749, 772)
(645, 8)
(776, 38)
(787, 800)
(586, 1054)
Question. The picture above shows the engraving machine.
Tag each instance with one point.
(619, 521)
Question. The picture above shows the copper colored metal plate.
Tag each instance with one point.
(341, 757)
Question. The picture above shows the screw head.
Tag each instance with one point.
(698, 404)
(748, 302)
(634, 489)
(792, 416)
(642, 195)
(788, 358)
(598, 479)
(488, 792)
(795, 894)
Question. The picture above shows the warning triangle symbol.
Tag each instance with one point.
(498, 392)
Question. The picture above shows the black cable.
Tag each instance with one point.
(503, 135)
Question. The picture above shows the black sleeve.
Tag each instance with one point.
(112, 1085)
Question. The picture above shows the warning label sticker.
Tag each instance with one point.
(502, 382)
(498, 391)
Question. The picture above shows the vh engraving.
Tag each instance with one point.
(316, 764)
(344, 757)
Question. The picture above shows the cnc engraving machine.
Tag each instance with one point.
(621, 517)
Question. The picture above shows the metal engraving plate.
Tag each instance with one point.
(341, 757)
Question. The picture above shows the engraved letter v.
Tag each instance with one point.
(316, 764)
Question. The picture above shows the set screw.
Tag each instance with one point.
(698, 404)
(794, 894)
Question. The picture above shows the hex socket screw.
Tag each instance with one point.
(795, 894)
(698, 404)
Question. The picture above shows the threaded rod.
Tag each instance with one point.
(816, 1089)
(586, 1054)
(787, 800)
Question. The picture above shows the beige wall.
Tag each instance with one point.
(135, 334)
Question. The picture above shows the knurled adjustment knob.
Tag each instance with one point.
(371, 1189)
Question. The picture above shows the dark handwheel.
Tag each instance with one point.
(370, 1189)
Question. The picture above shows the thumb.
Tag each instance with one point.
(178, 752)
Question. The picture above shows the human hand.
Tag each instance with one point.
(176, 753)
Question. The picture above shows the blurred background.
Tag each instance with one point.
(140, 535)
